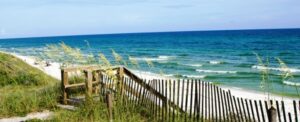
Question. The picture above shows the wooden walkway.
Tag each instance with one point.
(184, 99)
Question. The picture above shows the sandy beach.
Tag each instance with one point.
(54, 71)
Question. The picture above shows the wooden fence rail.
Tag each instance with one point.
(181, 100)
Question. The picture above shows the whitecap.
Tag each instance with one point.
(194, 76)
(216, 71)
(159, 58)
(193, 65)
(291, 83)
(143, 72)
(215, 62)
(276, 69)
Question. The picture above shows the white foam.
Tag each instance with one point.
(159, 58)
(195, 76)
(215, 62)
(216, 71)
(193, 65)
(165, 57)
(291, 83)
(276, 69)
(149, 75)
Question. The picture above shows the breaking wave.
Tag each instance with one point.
(216, 62)
(275, 69)
(159, 58)
(216, 71)
(291, 83)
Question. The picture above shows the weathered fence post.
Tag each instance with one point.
(101, 86)
(97, 87)
(120, 75)
(64, 78)
(271, 114)
(109, 101)
(88, 85)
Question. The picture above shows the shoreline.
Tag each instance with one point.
(54, 71)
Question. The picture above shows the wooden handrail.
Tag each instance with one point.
(79, 84)
(91, 67)
(121, 72)
(152, 90)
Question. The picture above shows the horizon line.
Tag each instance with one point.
(145, 32)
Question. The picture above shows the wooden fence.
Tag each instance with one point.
(181, 100)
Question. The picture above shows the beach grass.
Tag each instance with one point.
(23, 88)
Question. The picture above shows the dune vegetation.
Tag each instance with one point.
(25, 89)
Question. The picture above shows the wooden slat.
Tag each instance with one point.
(178, 95)
(251, 106)
(232, 106)
(160, 100)
(262, 112)
(212, 102)
(205, 100)
(223, 104)
(244, 110)
(240, 114)
(163, 102)
(152, 104)
(215, 102)
(219, 103)
(166, 102)
(139, 81)
(257, 112)
(202, 101)
(290, 117)
(186, 99)
(191, 99)
(295, 111)
(170, 98)
(283, 111)
(208, 101)
(278, 111)
(174, 94)
(226, 106)
(248, 111)
(266, 110)
(182, 96)
(196, 101)
(79, 84)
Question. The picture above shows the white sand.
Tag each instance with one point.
(54, 70)
(38, 115)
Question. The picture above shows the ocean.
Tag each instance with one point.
(222, 57)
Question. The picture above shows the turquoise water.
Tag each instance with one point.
(225, 57)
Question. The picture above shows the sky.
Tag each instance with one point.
(36, 18)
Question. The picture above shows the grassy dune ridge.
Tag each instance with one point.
(25, 89)
(14, 71)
